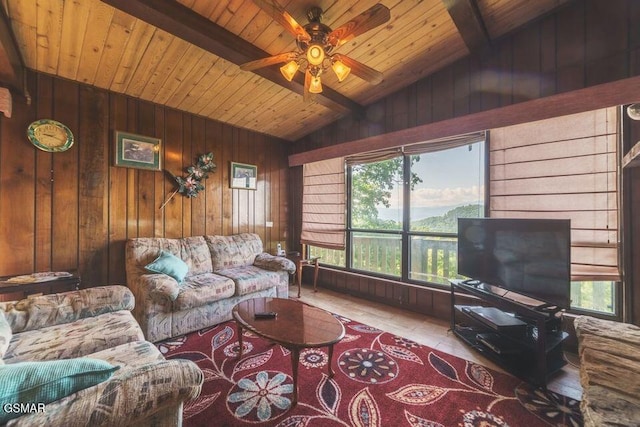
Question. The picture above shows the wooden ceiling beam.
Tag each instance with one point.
(184, 23)
(468, 20)
(12, 69)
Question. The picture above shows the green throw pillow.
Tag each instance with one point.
(33, 383)
(169, 264)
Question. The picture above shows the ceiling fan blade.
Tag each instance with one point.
(282, 17)
(367, 20)
(359, 69)
(270, 60)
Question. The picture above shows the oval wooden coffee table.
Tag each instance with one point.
(296, 326)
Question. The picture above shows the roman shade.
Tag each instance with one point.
(430, 146)
(447, 143)
(323, 204)
(565, 167)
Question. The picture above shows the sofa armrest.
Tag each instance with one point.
(129, 398)
(56, 309)
(158, 284)
(274, 263)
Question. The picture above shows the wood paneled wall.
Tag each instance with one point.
(75, 210)
(583, 45)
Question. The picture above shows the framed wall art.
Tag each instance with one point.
(137, 151)
(243, 176)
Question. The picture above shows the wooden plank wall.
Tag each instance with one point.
(587, 43)
(75, 210)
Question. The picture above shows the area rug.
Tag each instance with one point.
(380, 380)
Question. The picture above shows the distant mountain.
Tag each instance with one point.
(448, 222)
(395, 214)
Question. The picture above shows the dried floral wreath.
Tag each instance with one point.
(191, 185)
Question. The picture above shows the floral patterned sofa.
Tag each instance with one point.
(220, 272)
(92, 324)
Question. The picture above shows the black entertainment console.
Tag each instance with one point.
(520, 335)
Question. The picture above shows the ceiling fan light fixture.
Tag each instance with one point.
(633, 111)
(315, 45)
(316, 85)
(289, 70)
(315, 54)
(341, 69)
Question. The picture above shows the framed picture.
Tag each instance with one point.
(243, 176)
(137, 151)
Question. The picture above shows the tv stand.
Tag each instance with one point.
(529, 346)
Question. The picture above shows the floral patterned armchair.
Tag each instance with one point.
(95, 323)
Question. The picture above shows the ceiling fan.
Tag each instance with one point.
(316, 43)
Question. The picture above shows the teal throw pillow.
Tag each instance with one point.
(34, 384)
(169, 264)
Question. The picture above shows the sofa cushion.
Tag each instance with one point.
(203, 289)
(169, 264)
(42, 311)
(75, 339)
(250, 279)
(45, 382)
(233, 251)
(130, 355)
(195, 252)
(5, 335)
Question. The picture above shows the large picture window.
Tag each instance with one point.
(403, 208)
(403, 205)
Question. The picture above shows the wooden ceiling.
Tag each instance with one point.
(185, 54)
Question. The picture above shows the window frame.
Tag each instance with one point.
(405, 233)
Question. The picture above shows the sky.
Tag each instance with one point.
(450, 178)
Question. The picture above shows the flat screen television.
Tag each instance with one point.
(531, 257)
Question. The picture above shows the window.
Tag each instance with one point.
(403, 205)
(376, 216)
(451, 186)
(403, 209)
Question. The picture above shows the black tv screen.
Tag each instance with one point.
(531, 257)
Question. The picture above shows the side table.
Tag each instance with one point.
(14, 290)
(301, 262)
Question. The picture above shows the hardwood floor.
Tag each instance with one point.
(425, 330)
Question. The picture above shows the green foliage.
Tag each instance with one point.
(371, 186)
(448, 223)
(596, 296)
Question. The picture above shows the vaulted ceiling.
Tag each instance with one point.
(186, 54)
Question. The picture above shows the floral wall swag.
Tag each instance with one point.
(191, 184)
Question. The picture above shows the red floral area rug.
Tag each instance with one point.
(380, 380)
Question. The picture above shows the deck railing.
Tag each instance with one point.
(433, 259)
